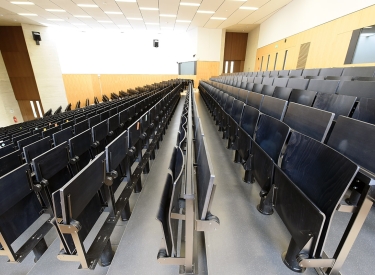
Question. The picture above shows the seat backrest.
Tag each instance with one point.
(67, 124)
(274, 73)
(15, 139)
(94, 120)
(79, 119)
(302, 97)
(37, 148)
(359, 71)
(271, 135)
(116, 153)
(365, 110)
(249, 86)
(350, 138)
(258, 80)
(268, 90)
(113, 123)
(257, 88)
(229, 104)
(237, 110)
(331, 71)
(19, 205)
(242, 95)
(54, 167)
(274, 107)
(322, 174)
(310, 72)
(295, 73)
(81, 127)
(357, 88)
(309, 121)
(80, 144)
(298, 83)
(323, 86)
(50, 132)
(249, 119)
(254, 100)
(62, 136)
(280, 82)
(104, 116)
(6, 150)
(283, 73)
(10, 162)
(282, 93)
(340, 105)
(267, 81)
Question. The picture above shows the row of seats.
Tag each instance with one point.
(188, 192)
(7, 133)
(347, 73)
(347, 98)
(299, 175)
(71, 196)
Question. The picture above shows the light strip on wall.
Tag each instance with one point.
(231, 66)
(226, 67)
(32, 107)
(39, 109)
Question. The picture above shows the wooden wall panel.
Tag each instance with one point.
(205, 70)
(329, 43)
(18, 65)
(235, 46)
(82, 86)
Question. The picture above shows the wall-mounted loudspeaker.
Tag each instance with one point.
(37, 38)
(156, 43)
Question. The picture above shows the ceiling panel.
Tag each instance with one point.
(235, 18)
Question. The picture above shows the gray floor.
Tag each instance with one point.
(251, 243)
(246, 243)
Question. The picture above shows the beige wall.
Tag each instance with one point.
(251, 50)
(8, 103)
(46, 66)
(329, 43)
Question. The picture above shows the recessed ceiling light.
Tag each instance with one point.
(113, 12)
(127, 1)
(134, 18)
(218, 18)
(148, 9)
(28, 14)
(123, 26)
(248, 8)
(82, 16)
(206, 12)
(54, 19)
(22, 3)
(190, 4)
(167, 15)
(183, 21)
(87, 5)
(152, 23)
(104, 21)
(55, 10)
(78, 24)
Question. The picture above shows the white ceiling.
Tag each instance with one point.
(132, 16)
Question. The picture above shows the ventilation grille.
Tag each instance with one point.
(303, 53)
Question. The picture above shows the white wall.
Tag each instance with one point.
(300, 15)
(8, 103)
(46, 66)
(131, 52)
(251, 50)
(209, 44)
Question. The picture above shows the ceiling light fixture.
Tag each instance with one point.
(248, 8)
(22, 3)
(218, 18)
(183, 21)
(78, 24)
(104, 21)
(123, 26)
(82, 16)
(152, 23)
(134, 18)
(87, 5)
(127, 1)
(189, 4)
(28, 14)
(211, 12)
(113, 12)
(55, 10)
(148, 9)
(54, 19)
(167, 15)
